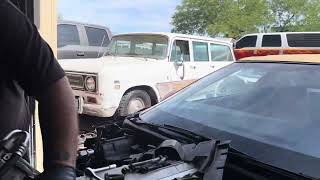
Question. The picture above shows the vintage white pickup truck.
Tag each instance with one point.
(140, 69)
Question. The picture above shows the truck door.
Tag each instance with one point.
(179, 59)
(200, 65)
(220, 55)
(69, 41)
(96, 43)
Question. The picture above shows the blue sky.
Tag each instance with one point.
(121, 15)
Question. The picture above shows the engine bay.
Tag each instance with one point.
(130, 152)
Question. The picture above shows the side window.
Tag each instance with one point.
(200, 51)
(304, 40)
(180, 50)
(220, 53)
(271, 41)
(248, 41)
(96, 37)
(160, 49)
(106, 41)
(123, 47)
(68, 35)
(144, 48)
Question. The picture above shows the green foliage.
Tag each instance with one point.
(195, 16)
(295, 15)
(233, 18)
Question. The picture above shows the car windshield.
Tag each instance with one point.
(274, 103)
(146, 46)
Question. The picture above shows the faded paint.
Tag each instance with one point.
(296, 58)
(119, 74)
(243, 53)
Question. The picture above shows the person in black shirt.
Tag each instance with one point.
(28, 68)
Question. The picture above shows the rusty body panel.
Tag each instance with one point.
(169, 88)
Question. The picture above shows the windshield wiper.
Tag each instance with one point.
(254, 169)
(170, 131)
(184, 132)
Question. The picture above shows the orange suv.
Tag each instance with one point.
(262, 44)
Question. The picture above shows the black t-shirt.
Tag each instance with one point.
(27, 67)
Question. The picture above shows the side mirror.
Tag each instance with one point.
(180, 62)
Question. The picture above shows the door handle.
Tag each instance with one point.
(80, 54)
(212, 66)
(192, 67)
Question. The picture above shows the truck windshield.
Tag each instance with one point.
(146, 46)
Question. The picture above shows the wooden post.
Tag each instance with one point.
(45, 18)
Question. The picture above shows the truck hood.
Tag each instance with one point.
(98, 64)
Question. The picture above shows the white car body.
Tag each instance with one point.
(117, 75)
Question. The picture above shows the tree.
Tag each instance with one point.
(233, 18)
(194, 16)
(230, 18)
(240, 17)
(295, 15)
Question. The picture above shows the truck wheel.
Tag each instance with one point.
(134, 101)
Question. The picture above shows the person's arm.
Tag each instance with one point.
(32, 64)
(59, 124)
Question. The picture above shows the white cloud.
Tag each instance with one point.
(121, 15)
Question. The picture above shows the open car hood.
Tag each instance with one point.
(141, 152)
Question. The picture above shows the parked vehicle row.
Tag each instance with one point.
(114, 84)
(255, 119)
(139, 69)
(262, 44)
(79, 40)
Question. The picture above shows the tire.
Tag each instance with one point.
(130, 99)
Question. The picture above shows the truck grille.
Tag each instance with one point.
(76, 81)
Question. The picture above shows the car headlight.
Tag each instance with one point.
(90, 83)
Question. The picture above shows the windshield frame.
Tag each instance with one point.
(166, 54)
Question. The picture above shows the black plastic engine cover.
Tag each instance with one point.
(118, 149)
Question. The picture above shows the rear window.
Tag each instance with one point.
(96, 36)
(220, 53)
(248, 41)
(68, 35)
(271, 41)
(304, 40)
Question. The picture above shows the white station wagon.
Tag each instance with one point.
(140, 69)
